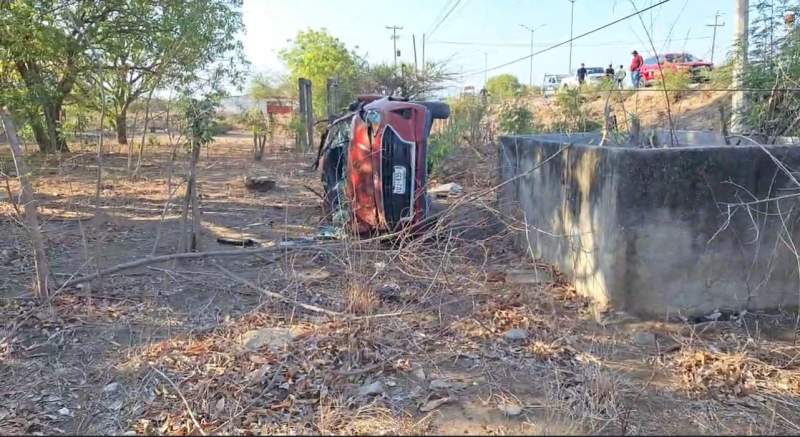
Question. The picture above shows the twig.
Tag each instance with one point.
(281, 297)
(159, 259)
(314, 191)
(185, 402)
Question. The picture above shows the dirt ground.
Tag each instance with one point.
(454, 333)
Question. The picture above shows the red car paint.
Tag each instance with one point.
(672, 62)
(364, 169)
(384, 169)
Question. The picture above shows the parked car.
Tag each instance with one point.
(374, 164)
(594, 76)
(551, 83)
(673, 62)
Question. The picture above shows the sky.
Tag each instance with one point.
(481, 33)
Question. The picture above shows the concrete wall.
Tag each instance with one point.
(647, 230)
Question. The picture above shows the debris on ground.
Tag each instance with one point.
(244, 242)
(259, 183)
(450, 189)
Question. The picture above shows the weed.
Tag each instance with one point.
(514, 118)
(360, 298)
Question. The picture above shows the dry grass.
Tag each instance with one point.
(360, 298)
(570, 376)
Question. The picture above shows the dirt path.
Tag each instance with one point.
(439, 335)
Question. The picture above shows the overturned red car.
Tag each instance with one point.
(373, 162)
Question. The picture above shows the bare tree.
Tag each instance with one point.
(31, 216)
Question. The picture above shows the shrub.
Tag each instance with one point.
(677, 82)
(569, 102)
(441, 146)
(221, 126)
(514, 118)
(467, 115)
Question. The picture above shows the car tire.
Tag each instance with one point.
(438, 110)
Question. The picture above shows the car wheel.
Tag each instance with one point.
(438, 110)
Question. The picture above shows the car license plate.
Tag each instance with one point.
(399, 180)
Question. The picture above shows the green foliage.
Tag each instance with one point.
(514, 118)
(466, 124)
(467, 116)
(177, 43)
(201, 125)
(48, 46)
(440, 147)
(774, 64)
(57, 53)
(569, 102)
(296, 126)
(503, 86)
(677, 82)
(721, 77)
(317, 55)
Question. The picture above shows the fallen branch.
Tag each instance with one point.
(159, 259)
(185, 402)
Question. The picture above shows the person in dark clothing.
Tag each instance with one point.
(610, 72)
(582, 74)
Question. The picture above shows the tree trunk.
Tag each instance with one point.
(39, 133)
(194, 246)
(40, 263)
(122, 126)
(130, 144)
(52, 121)
(144, 132)
(191, 201)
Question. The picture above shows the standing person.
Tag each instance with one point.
(620, 76)
(610, 73)
(636, 64)
(581, 74)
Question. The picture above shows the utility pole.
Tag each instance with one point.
(414, 43)
(394, 30)
(485, 68)
(571, 22)
(423, 54)
(530, 68)
(714, 35)
(738, 102)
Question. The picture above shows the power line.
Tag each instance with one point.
(441, 12)
(662, 2)
(444, 18)
(547, 44)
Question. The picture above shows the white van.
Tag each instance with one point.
(551, 83)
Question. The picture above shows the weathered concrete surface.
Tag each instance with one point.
(648, 230)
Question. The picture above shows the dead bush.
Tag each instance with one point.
(360, 298)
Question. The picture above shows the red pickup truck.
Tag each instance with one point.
(673, 62)
(374, 164)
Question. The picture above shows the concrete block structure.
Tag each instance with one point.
(660, 232)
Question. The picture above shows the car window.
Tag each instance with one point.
(594, 70)
(669, 57)
(689, 58)
(651, 61)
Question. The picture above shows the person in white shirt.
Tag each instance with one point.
(619, 76)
